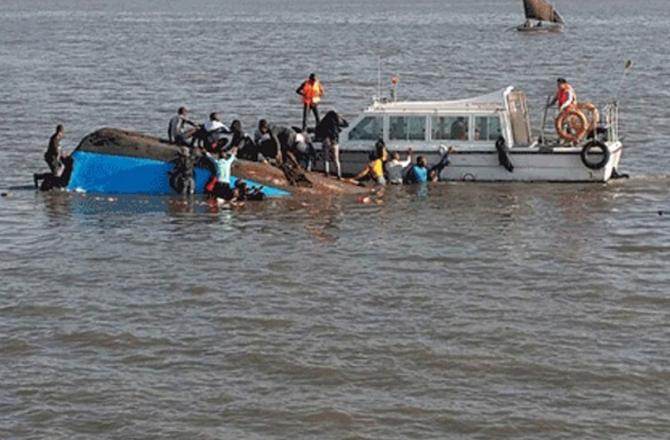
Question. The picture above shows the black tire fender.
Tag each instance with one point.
(587, 149)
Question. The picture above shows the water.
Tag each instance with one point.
(453, 311)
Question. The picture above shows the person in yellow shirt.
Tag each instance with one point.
(375, 168)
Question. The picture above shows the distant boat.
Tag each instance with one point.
(546, 16)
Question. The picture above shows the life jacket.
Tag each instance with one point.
(564, 94)
(311, 92)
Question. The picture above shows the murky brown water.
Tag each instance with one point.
(453, 311)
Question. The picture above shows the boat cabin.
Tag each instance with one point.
(428, 125)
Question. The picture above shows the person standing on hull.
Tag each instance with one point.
(53, 156)
(177, 133)
(328, 131)
(311, 91)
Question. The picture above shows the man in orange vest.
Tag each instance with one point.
(311, 91)
(565, 95)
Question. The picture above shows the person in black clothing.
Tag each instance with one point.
(245, 193)
(182, 177)
(267, 142)
(435, 170)
(328, 131)
(278, 141)
(246, 148)
(177, 133)
(53, 157)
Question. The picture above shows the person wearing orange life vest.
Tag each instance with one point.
(565, 95)
(311, 91)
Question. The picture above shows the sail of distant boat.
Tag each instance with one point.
(542, 10)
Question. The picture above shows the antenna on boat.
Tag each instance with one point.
(379, 78)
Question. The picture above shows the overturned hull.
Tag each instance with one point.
(124, 162)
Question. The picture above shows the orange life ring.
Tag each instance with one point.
(571, 124)
(592, 114)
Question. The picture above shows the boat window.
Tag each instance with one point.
(450, 128)
(369, 129)
(487, 128)
(407, 128)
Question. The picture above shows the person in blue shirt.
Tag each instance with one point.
(419, 172)
(223, 166)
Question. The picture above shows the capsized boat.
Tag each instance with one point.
(547, 17)
(492, 138)
(117, 161)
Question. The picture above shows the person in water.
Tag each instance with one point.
(182, 177)
(177, 133)
(223, 164)
(311, 91)
(245, 193)
(419, 172)
(375, 168)
(395, 167)
(53, 157)
(435, 170)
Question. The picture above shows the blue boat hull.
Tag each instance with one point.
(118, 174)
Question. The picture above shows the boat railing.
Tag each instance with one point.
(612, 120)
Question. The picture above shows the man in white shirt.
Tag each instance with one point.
(212, 131)
(395, 167)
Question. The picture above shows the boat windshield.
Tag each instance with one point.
(369, 128)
